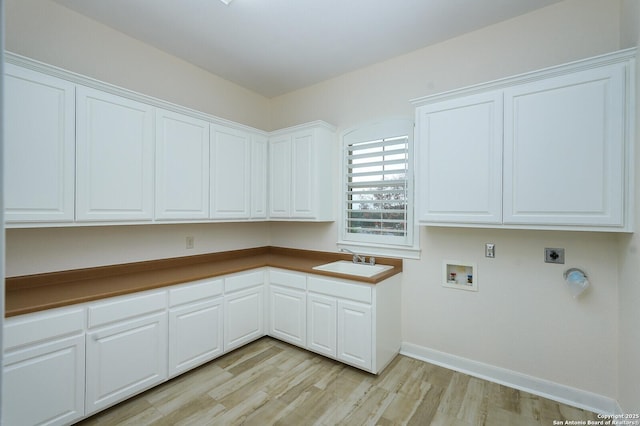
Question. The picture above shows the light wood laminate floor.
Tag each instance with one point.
(271, 383)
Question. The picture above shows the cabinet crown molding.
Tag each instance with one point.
(32, 64)
(625, 55)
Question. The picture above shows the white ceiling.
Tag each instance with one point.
(276, 46)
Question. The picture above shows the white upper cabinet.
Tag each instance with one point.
(302, 168)
(114, 141)
(564, 148)
(230, 173)
(182, 166)
(39, 147)
(560, 140)
(460, 166)
(81, 152)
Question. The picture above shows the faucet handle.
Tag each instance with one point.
(372, 260)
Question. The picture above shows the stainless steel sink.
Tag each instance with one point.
(350, 268)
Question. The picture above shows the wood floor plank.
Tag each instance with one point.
(272, 383)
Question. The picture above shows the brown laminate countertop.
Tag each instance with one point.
(32, 293)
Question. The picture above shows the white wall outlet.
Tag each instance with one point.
(190, 242)
(490, 250)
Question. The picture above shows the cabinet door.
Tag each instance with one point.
(114, 157)
(243, 317)
(44, 384)
(459, 160)
(259, 178)
(230, 173)
(565, 149)
(195, 335)
(125, 359)
(355, 345)
(303, 187)
(288, 314)
(321, 324)
(280, 176)
(39, 147)
(182, 167)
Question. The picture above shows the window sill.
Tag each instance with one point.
(370, 249)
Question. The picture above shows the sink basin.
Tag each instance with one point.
(350, 268)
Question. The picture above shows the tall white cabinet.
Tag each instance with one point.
(545, 150)
(39, 147)
(302, 167)
(114, 142)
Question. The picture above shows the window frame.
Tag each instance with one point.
(379, 244)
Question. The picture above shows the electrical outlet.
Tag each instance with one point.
(189, 241)
(490, 250)
(554, 255)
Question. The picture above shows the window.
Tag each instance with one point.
(378, 208)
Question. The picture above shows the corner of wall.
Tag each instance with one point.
(629, 254)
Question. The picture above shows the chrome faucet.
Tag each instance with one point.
(357, 258)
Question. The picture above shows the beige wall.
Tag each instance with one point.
(31, 251)
(522, 318)
(629, 285)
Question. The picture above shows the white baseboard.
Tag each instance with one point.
(541, 387)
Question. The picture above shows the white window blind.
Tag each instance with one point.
(377, 190)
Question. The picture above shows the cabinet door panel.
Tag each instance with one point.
(321, 324)
(303, 185)
(355, 334)
(182, 167)
(244, 317)
(280, 177)
(288, 315)
(45, 384)
(230, 173)
(564, 150)
(39, 147)
(124, 360)
(114, 157)
(195, 335)
(459, 155)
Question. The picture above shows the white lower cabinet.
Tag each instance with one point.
(65, 364)
(43, 368)
(358, 324)
(288, 306)
(127, 351)
(195, 324)
(243, 308)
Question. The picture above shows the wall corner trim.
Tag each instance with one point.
(534, 385)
